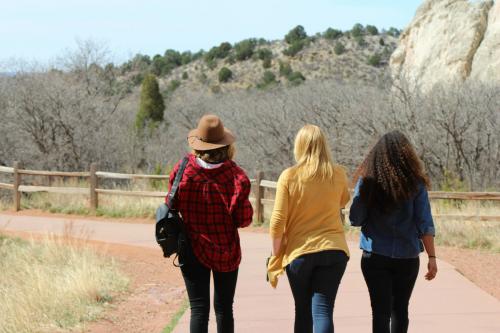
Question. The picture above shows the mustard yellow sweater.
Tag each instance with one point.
(307, 218)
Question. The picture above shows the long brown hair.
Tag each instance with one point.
(391, 173)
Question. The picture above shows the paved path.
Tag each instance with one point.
(451, 303)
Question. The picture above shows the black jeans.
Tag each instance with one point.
(197, 280)
(390, 282)
(314, 279)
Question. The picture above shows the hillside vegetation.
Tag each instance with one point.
(360, 54)
(134, 117)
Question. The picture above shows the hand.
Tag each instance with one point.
(431, 269)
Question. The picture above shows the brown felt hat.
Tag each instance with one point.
(210, 134)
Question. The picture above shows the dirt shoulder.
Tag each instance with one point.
(156, 291)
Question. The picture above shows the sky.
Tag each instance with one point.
(41, 30)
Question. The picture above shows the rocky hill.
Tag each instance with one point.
(361, 54)
(450, 40)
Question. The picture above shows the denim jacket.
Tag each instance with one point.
(395, 235)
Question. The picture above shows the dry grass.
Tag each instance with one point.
(109, 205)
(52, 285)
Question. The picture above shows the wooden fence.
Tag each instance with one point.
(260, 198)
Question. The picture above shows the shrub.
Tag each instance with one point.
(268, 79)
(186, 57)
(357, 30)
(267, 63)
(185, 76)
(231, 59)
(173, 85)
(295, 48)
(218, 52)
(202, 78)
(262, 41)
(339, 48)
(244, 49)
(332, 33)
(212, 64)
(295, 35)
(159, 66)
(197, 55)
(374, 60)
(372, 30)
(394, 32)
(381, 41)
(173, 58)
(264, 54)
(225, 74)
(360, 41)
(296, 78)
(151, 105)
(285, 69)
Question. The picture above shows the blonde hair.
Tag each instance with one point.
(216, 155)
(312, 154)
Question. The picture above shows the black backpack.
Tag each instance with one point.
(169, 225)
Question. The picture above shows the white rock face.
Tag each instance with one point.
(449, 40)
(486, 64)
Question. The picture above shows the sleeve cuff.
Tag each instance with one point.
(429, 231)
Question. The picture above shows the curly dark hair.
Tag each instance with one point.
(391, 173)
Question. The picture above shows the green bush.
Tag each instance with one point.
(159, 66)
(372, 30)
(285, 69)
(225, 74)
(231, 59)
(357, 30)
(268, 79)
(381, 41)
(297, 34)
(267, 63)
(173, 85)
(186, 57)
(197, 55)
(361, 41)
(394, 32)
(151, 104)
(339, 48)
(374, 60)
(296, 78)
(185, 76)
(212, 64)
(218, 52)
(173, 58)
(245, 49)
(264, 54)
(294, 48)
(332, 33)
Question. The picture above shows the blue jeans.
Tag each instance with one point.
(314, 279)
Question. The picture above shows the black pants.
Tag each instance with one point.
(390, 283)
(197, 280)
(314, 279)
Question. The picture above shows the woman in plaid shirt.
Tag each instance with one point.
(213, 201)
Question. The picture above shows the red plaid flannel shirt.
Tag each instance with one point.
(214, 204)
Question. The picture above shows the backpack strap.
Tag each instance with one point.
(177, 180)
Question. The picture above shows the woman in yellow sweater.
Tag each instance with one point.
(307, 235)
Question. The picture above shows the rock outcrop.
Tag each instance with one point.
(449, 41)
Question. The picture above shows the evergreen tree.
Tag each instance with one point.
(151, 106)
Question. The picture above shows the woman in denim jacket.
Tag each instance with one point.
(391, 205)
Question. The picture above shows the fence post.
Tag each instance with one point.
(259, 191)
(94, 201)
(17, 183)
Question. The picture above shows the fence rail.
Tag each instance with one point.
(259, 185)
